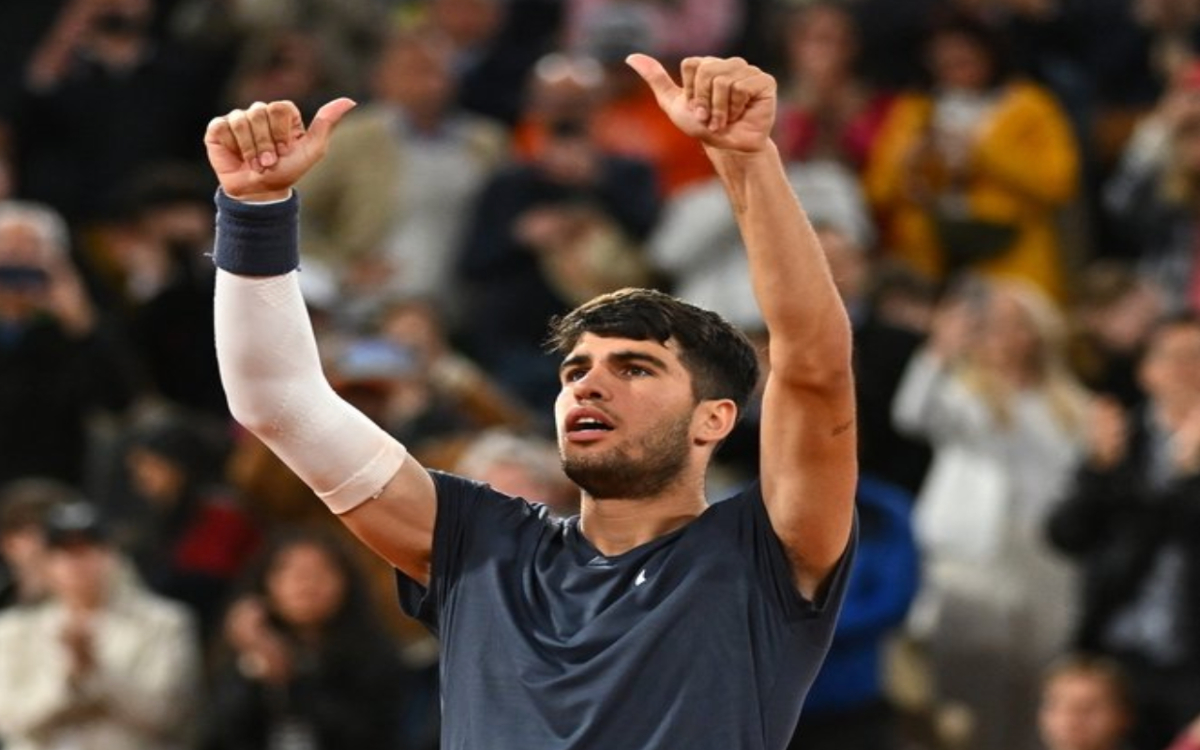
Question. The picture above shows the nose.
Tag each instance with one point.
(590, 386)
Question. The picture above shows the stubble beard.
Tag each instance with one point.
(618, 474)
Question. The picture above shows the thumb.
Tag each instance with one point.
(327, 117)
(654, 74)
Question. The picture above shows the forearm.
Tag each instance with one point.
(272, 371)
(792, 283)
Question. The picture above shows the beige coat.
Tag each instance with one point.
(352, 198)
(142, 695)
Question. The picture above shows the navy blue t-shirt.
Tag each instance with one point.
(697, 639)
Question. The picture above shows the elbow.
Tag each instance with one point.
(824, 363)
(256, 420)
(814, 375)
(259, 409)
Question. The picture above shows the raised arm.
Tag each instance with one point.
(267, 351)
(809, 464)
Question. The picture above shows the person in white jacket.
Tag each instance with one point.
(992, 393)
(102, 664)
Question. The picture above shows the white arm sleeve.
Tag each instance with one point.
(275, 387)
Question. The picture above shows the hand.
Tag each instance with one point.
(1108, 433)
(954, 327)
(727, 104)
(77, 637)
(262, 654)
(546, 228)
(258, 154)
(1185, 444)
(68, 301)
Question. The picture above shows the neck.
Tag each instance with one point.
(617, 526)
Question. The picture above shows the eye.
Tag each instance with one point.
(637, 371)
(572, 374)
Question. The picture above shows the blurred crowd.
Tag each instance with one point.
(1008, 193)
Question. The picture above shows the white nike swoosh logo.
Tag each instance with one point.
(641, 578)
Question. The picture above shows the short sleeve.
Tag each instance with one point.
(473, 519)
(773, 567)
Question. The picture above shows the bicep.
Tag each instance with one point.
(398, 525)
(809, 472)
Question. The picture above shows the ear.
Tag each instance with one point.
(713, 421)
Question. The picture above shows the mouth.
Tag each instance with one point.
(586, 425)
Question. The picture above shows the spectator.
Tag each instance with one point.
(495, 44)
(24, 505)
(696, 245)
(303, 661)
(628, 120)
(383, 379)
(1152, 198)
(452, 378)
(384, 209)
(104, 98)
(993, 394)
(828, 111)
(347, 31)
(298, 63)
(166, 284)
(1085, 705)
(102, 664)
(1113, 312)
(186, 529)
(543, 234)
(520, 466)
(971, 174)
(678, 28)
(1132, 520)
(58, 360)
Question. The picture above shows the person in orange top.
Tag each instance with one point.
(971, 174)
(623, 119)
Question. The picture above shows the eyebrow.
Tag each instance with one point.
(623, 356)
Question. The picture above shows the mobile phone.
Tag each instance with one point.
(23, 278)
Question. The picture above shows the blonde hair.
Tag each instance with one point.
(1053, 375)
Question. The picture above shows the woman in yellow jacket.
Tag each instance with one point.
(971, 174)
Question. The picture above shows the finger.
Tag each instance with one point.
(752, 86)
(687, 70)
(243, 137)
(260, 128)
(220, 134)
(286, 125)
(720, 76)
(655, 76)
(719, 102)
(702, 98)
(327, 117)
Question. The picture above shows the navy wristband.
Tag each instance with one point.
(257, 239)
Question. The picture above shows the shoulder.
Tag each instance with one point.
(153, 612)
(21, 619)
(479, 501)
(910, 107)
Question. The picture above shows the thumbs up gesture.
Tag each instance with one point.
(260, 152)
(725, 103)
